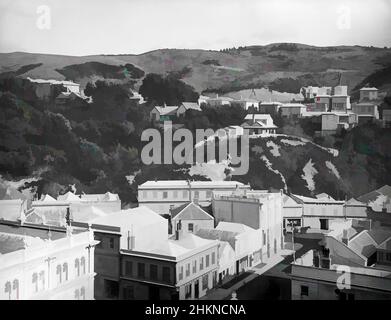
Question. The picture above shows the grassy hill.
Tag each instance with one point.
(281, 67)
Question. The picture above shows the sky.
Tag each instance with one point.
(87, 27)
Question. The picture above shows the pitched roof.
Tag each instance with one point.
(166, 110)
(140, 216)
(368, 89)
(324, 196)
(258, 117)
(373, 195)
(354, 202)
(108, 196)
(214, 234)
(233, 227)
(363, 244)
(191, 105)
(69, 196)
(47, 198)
(190, 211)
(316, 200)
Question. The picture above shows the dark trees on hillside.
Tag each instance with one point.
(167, 90)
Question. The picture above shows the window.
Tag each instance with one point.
(59, 274)
(304, 291)
(8, 289)
(207, 261)
(77, 267)
(83, 264)
(15, 287)
(190, 227)
(42, 279)
(153, 271)
(145, 194)
(194, 266)
(185, 194)
(388, 256)
(208, 194)
(154, 194)
(213, 257)
(77, 294)
(263, 237)
(188, 270)
(196, 194)
(166, 274)
(205, 282)
(180, 273)
(165, 194)
(175, 194)
(83, 293)
(65, 270)
(350, 296)
(188, 291)
(141, 270)
(111, 288)
(128, 268)
(35, 279)
(111, 243)
(128, 293)
(202, 263)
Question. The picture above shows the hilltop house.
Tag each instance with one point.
(247, 103)
(366, 111)
(163, 113)
(187, 106)
(259, 124)
(293, 110)
(269, 107)
(219, 101)
(333, 121)
(368, 94)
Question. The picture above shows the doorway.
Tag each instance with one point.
(196, 289)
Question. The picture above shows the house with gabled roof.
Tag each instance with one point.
(187, 106)
(163, 113)
(191, 217)
(259, 124)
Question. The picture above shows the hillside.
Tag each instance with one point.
(301, 166)
(280, 67)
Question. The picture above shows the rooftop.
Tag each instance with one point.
(166, 110)
(167, 184)
(190, 211)
(140, 216)
(369, 89)
(316, 200)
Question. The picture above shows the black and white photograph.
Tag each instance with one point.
(195, 150)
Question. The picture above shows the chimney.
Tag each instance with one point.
(131, 240)
(164, 105)
(189, 184)
(217, 95)
(253, 118)
(178, 230)
(345, 238)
